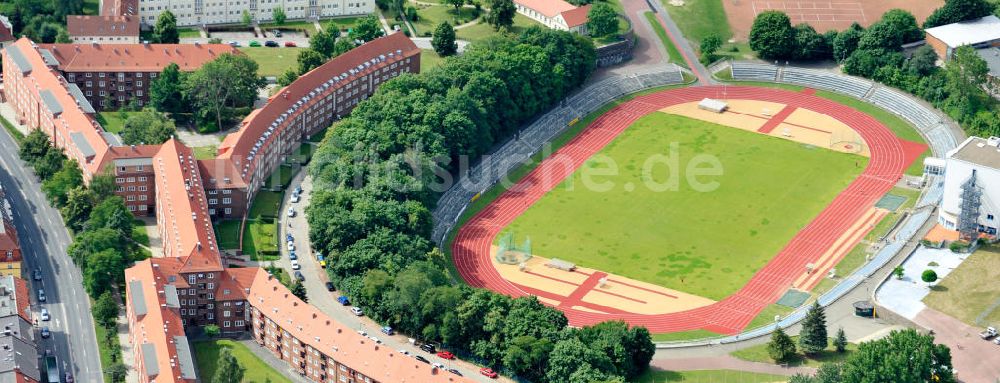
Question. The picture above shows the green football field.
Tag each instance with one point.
(707, 243)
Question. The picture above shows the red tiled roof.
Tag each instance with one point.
(577, 16)
(123, 26)
(23, 299)
(336, 340)
(181, 202)
(120, 7)
(549, 8)
(160, 324)
(95, 57)
(237, 281)
(216, 172)
(237, 146)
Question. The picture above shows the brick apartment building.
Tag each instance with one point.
(103, 29)
(19, 358)
(192, 13)
(10, 248)
(113, 75)
(6, 31)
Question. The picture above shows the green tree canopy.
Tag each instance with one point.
(501, 14)
(165, 92)
(602, 20)
(906, 356)
(228, 369)
(78, 204)
(781, 347)
(105, 310)
(147, 127)
(309, 59)
(323, 41)
(229, 81)
(444, 40)
(165, 30)
(58, 186)
(288, 77)
(772, 36)
(929, 276)
(813, 337)
(367, 29)
(954, 11)
(279, 16)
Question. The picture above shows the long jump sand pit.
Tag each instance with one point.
(617, 294)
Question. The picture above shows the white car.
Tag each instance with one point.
(296, 265)
(363, 332)
(404, 352)
(376, 340)
(45, 315)
(291, 246)
(291, 211)
(438, 365)
(41, 295)
(357, 311)
(295, 198)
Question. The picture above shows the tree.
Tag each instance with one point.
(103, 186)
(34, 146)
(105, 310)
(78, 204)
(165, 91)
(323, 42)
(846, 42)
(246, 18)
(49, 164)
(229, 81)
(455, 3)
(898, 272)
(279, 16)
(411, 13)
(501, 14)
(342, 46)
(165, 30)
(228, 368)
(367, 29)
(211, 330)
(954, 11)
(117, 372)
(573, 361)
(813, 337)
(299, 290)
(444, 40)
(840, 341)
(64, 8)
(63, 37)
(309, 59)
(58, 186)
(966, 73)
(809, 44)
(923, 62)
(709, 45)
(147, 127)
(772, 35)
(903, 24)
(929, 276)
(288, 77)
(602, 20)
(102, 270)
(781, 347)
(905, 356)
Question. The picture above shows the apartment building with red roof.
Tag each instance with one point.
(555, 14)
(18, 345)
(119, 7)
(10, 247)
(6, 31)
(196, 13)
(86, 29)
(115, 75)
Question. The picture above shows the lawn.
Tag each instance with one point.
(971, 291)
(681, 236)
(429, 17)
(766, 316)
(481, 30)
(273, 61)
(14, 133)
(429, 59)
(91, 7)
(139, 233)
(675, 55)
(260, 240)
(188, 33)
(205, 152)
(112, 121)
(684, 335)
(280, 177)
(206, 355)
(102, 346)
(228, 234)
(758, 353)
(343, 23)
(300, 25)
(265, 204)
(708, 376)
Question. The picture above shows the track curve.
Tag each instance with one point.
(889, 158)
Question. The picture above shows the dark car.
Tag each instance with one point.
(299, 276)
(37, 274)
(387, 330)
(427, 347)
(343, 300)
(292, 256)
(271, 44)
(330, 286)
(422, 359)
(454, 371)
(45, 332)
(298, 189)
(277, 33)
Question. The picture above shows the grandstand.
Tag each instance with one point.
(825, 80)
(754, 71)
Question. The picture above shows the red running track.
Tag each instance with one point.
(889, 158)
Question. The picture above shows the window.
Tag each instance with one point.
(210, 276)
(227, 201)
(211, 316)
(138, 75)
(226, 324)
(89, 75)
(138, 93)
(131, 207)
(227, 314)
(141, 179)
(142, 188)
(210, 285)
(143, 207)
(130, 179)
(239, 323)
(212, 201)
(100, 83)
(138, 83)
(143, 197)
(184, 311)
(131, 198)
(210, 306)
(229, 211)
(120, 180)
(90, 83)
(191, 291)
(211, 295)
(226, 292)
(192, 280)
(131, 188)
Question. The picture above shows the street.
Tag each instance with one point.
(44, 240)
(325, 301)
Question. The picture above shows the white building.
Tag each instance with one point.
(980, 157)
(555, 14)
(208, 12)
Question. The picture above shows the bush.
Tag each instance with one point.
(898, 272)
(958, 246)
(929, 276)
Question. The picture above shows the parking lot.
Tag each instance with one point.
(243, 39)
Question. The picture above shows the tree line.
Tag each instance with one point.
(328, 43)
(961, 88)
(370, 209)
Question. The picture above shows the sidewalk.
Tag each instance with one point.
(269, 358)
(727, 363)
(8, 114)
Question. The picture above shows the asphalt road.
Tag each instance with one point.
(44, 240)
(325, 301)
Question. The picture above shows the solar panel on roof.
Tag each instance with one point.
(51, 102)
(20, 61)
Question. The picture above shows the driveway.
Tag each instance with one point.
(315, 279)
(974, 359)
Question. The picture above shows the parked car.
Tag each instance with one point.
(422, 359)
(990, 332)
(376, 340)
(343, 300)
(37, 274)
(404, 352)
(446, 355)
(296, 265)
(322, 264)
(438, 365)
(45, 314)
(277, 33)
(454, 371)
(427, 347)
(357, 311)
(234, 44)
(330, 286)
(291, 211)
(488, 372)
(291, 246)
(292, 256)
(388, 330)
(295, 198)
(298, 190)
(45, 332)
(271, 44)
(363, 332)
(299, 276)
(290, 44)
(41, 295)
(289, 238)
(254, 43)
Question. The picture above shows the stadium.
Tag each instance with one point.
(801, 180)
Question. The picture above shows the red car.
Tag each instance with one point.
(290, 44)
(488, 372)
(445, 355)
